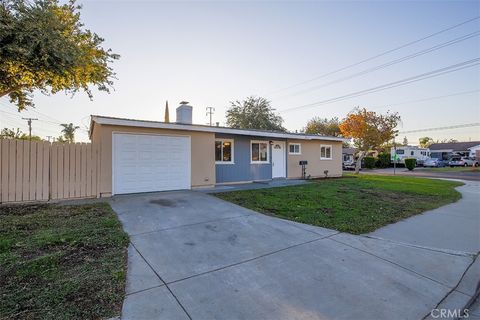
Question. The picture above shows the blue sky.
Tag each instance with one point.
(216, 52)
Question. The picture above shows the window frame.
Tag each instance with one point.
(268, 151)
(331, 151)
(299, 149)
(232, 143)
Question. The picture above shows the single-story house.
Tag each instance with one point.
(474, 152)
(349, 155)
(144, 156)
(446, 150)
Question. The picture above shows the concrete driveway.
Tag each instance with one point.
(194, 256)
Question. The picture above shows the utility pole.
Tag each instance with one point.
(210, 111)
(49, 137)
(29, 121)
(395, 157)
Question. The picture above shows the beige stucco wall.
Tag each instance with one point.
(203, 153)
(310, 151)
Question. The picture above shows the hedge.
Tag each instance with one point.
(369, 162)
(410, 164)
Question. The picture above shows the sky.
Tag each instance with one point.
(211, 53)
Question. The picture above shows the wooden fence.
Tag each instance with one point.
(41, 171)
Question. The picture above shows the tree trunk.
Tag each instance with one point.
(358, 165)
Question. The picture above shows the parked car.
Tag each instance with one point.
(462, 162)
(349, 165)
(434, 163)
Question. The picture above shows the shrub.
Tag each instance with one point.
(383, 160)
(410, 163)
(369, 162)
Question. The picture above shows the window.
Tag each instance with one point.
(259, 151)
(411, 153)
(224, 151)
(400, 151)
(325, 152)
(294, 148)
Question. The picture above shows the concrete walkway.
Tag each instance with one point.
(194, 256)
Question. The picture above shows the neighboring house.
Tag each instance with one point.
(474, 152)
(143, 156)
(446, 150)
(349, 155)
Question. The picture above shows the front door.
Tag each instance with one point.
(278, 159)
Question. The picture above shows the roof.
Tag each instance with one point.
(454, 146)
(349, 150)
(204, 128)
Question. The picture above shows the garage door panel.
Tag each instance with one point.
(144, 163)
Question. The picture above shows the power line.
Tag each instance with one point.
(467, 125)
(425, 99)
(420, 77)
(393, 62)
(377, 56)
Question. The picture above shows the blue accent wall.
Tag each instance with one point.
(242, 170)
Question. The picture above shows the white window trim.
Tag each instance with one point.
(268, 151)
(233, 151)
(331, 151)
(299, 149)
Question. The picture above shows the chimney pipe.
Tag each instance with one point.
(184, 113)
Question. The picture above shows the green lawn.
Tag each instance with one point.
(61, 262)
(354, 204)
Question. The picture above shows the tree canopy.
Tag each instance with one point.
(253, 113)
(68, 133)
(324, 126)
(425, 142)
(7, 133)
(44, 46)
(369, 130)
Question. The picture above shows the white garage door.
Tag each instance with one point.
(144, 163)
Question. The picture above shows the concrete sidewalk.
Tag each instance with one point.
(194, 256)
(453, 227)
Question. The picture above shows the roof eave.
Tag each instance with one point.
(188, 127)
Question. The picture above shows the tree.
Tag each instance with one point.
(68, 133)
(368, 130)
(425, 142)
(254, 113)
(7, 133)
(405, 141)
(11, 133)
(323, 126)
(43, 46)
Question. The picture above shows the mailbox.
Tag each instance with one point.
(303, 163)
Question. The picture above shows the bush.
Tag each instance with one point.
(383, 160)
(410, 164)
(369, 162)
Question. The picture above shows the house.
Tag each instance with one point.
(144, 156)
(446, 150)
(474, 152)
(349, 155)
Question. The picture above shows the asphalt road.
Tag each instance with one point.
(424, 172)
